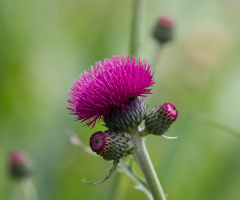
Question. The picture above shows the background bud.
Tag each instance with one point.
(160, 118)
(20, 165)
(126, 118)
(163, 31)
(111, 146)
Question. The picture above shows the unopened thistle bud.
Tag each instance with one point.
(158, 121)
(111, 146)
(163, 31)
(20, 165)
(126, 118)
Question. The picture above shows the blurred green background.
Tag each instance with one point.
(45, 45)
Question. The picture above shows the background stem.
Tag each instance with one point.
(28, 189)
(136, 26)
(215, 122)
(156, 56)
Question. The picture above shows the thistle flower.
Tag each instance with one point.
(160, 119)
(20, 165)
(163, 31)
(111, 146)
(108, 86)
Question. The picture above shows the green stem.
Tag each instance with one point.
(144, 162)
(157, 54)
(136, 26)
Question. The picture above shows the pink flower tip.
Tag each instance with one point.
(98, 141)
(20, 165)
(170, 110)
(107, 86)
(17, 157)
(160, 118)
(165, 21)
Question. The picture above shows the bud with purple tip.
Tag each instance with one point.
(163, 31)
(111, 146)
(20, 165)
(158, 121)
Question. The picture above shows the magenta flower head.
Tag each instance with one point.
(20, 165)
(108, 86)
(111, 146)
(160, 118)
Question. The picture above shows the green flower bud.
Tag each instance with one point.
(20, 165)
(158, 121)
(163, 31)
(111, 146)
(126, 118)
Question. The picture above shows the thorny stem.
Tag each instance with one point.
(140, 153)
(144, 162)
